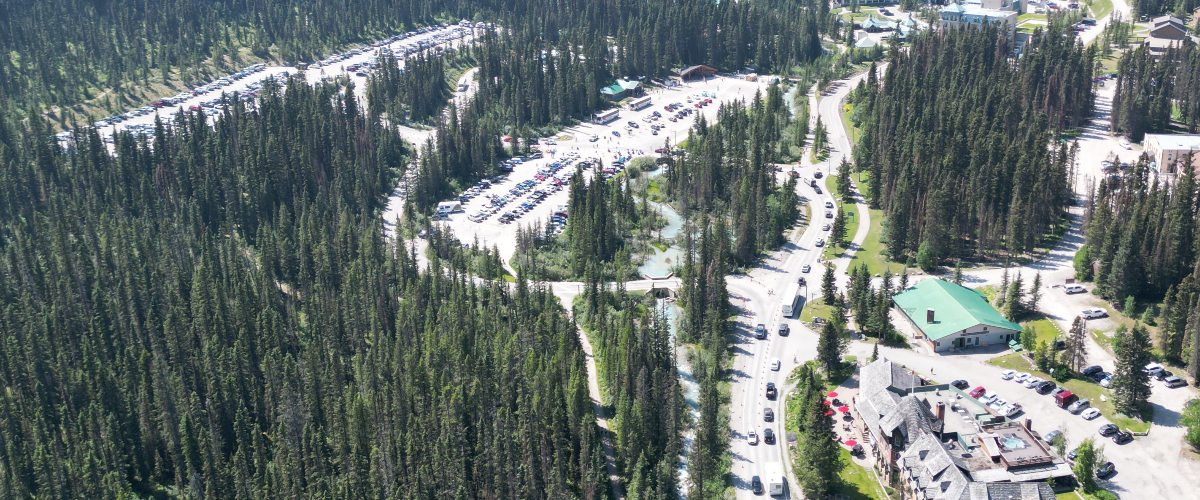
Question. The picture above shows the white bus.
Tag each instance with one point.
(640, 103)
(789, 298)
(607, 116)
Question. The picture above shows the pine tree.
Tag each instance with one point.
(829, 283)
(1085, 465)
(1014, 304)
(819, 459)
(830, 345)
(1076, 349)
(837, 233)
(1035, 293)
(1131, 384)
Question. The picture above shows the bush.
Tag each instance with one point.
(1104, 495)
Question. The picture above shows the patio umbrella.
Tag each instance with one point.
(827, 403)
(851, 442)
(828, 413)
(832, 394)
(844, 409)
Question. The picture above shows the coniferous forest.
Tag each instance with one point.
(1148, 91)
(955, 141)
(216, 315)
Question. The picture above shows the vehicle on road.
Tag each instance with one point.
(828, 204)
(784, 329)
(768, 436)
(806, 268)
(1073, 288)
(756, 485)
(978, 391)
(826, 227)
(775, 479)
(1008, 374)
(791, 295)
(1108, 430)
(820, 242)
(594, 138)
(616, 133)
(1122, 437)
(768, 415)
(771, 392)
(752, 437)
(818, 188)
(1090, 413)
(828, 214)
(775, 365)
(760, 331)
(1106, 470)
(1093, 313)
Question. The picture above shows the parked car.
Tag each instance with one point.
(1109, 429)
(1021, 377)
(760, 331)
(976, 392)
(1059, 390)
(1073, 288)
(1122, 437)
(1008, 374)
(987, 398)
(1092, 370)
(1174, 381)
(1046, 387)
(1071, 455)
(1013, 410)
(1032, 382)
(1163, 375)
(960, 384)
(1090, 413)
(1106, 381)
(1052, 435)
(1093, 313)
(1078, 406)
(1106, 470)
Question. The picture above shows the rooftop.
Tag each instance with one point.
(1016, 446)
(620, 86)
(956, 308)
(1175, 141)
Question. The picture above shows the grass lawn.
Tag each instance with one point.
(1046, 330)
(858, 482)
(1100, 8)
(834, 251)
(1083, 388)
(815, 308)
(1026, 17)
(854, 132)
(871, 252)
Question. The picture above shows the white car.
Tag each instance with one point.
(752, 437)
(1020, 377)
(1090, 413)
(775, 364)
(1105, 382)
(806, 268)
(1073, 288)
(986, 398)
(1032, 382)
(998, 404)
(1123, 142)
(1008, 374)
(829, 204)
(1093, 313)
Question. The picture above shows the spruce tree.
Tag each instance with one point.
(1131, 384)
(829, 284)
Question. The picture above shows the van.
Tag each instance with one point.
(1174, 381)
(1073, 288)
(1065, 398)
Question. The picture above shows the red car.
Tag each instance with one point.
(976, 392)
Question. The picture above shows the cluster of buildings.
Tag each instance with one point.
(1165, 32)
(975, 13)
(941, 444)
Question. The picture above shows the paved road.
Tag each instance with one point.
(756, 299)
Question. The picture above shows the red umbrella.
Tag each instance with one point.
(851, 442)
(827, 403)
(828, 413)
(832, 394)
(844, 409)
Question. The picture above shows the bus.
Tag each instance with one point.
(607, 116)
(640, 103)
(789, 298)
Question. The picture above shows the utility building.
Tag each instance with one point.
(953, 316)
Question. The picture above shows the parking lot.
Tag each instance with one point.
(599, 147)
(356, 63)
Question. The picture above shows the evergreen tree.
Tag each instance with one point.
(829, 284)
(1131, 384)
(1076, 349)
(1014, 303)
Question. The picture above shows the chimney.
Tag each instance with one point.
(1029, 423)
(929, 315)
(941, 411)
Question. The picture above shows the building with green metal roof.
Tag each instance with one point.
(950, 316)
(622, 89)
